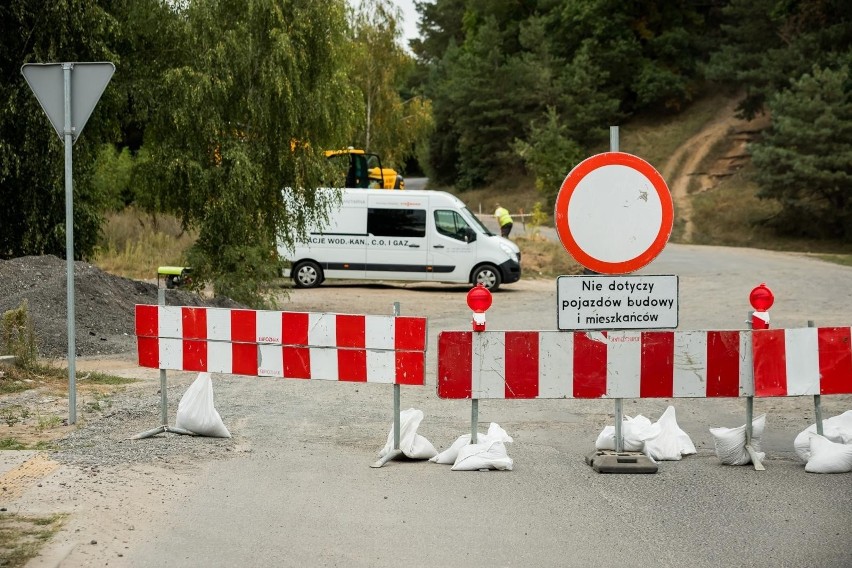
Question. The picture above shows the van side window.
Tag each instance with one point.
(451, 224)
(396, 222)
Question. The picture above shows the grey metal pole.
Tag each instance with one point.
(474, 419)
(817, 399)
(619, 403)
(396, 410)
(164, 397)
(749, 418)
(749, 399)
(395, 452)
(69, 244)
(619, 419)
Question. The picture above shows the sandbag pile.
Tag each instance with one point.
(731, 442)
(831, 452)
(489, 451)
(412, 444)
(196, 412)
(662, 440)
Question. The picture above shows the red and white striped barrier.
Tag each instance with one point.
(806, 361)
(643, 364)
(298, 345)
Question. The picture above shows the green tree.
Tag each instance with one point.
(549, 154)
(257, 91)
(768, 44)
(504, 63)
(32, 182)
(391, 125)
(111, 179)
(804, 162)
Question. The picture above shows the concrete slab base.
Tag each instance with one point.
(608, 461)
(8, 360)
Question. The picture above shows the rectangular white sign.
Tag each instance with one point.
(616, 302)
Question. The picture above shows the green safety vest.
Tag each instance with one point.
(503, 216)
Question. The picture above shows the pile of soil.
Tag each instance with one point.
(104, 304)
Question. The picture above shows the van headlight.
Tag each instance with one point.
(508, 250)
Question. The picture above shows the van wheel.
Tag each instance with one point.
(307, 274)
(488, 276)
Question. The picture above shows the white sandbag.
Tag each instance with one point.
(488, 455)
(828, 456)
(730, 442)
(196, 412)
(633, 430)
(606, 439)
(495, 432)
(664, 440)
(412, 444)
(450, 455)
(836, 429)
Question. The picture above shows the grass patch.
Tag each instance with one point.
(517, 194)
(12, 444)
(96, 378)
(14, 379)
(22, 536)
(543, 258)
(656, 138)
(731, 214)
(135, 244)
(842, 259)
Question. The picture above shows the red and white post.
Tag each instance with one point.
(761, 299)
(479, 300)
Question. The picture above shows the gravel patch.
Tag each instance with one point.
(104, 323)
(106, 439)
(103, 306)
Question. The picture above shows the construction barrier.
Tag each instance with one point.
(644, 364)
(294, 345)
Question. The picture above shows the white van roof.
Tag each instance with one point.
(400, 197)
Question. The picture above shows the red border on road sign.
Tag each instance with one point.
(564, 197)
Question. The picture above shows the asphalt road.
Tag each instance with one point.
(301, 492)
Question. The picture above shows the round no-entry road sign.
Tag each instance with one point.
(614, 213)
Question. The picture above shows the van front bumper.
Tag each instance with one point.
(511, 271)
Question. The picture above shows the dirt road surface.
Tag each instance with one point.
(293, 487)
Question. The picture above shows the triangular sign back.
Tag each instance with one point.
(88, 81)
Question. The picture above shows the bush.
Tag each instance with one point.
(17, 336)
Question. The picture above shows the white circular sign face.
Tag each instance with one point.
(614, 213)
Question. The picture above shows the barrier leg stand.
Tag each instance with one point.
(395, 452)
(164, 398)
(619, 419)
(619, 461)
(818, 413)
(474, 419)
(817, 400)
(758, 466)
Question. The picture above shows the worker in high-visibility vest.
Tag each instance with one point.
(505, 220)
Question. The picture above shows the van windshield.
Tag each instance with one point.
(475, 220)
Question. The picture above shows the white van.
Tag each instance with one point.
(403, 235)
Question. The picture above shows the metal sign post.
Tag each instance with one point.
(68, 104)
(395, 451)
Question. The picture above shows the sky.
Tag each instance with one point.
(410, 17)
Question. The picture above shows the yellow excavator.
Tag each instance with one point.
(362, 169)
